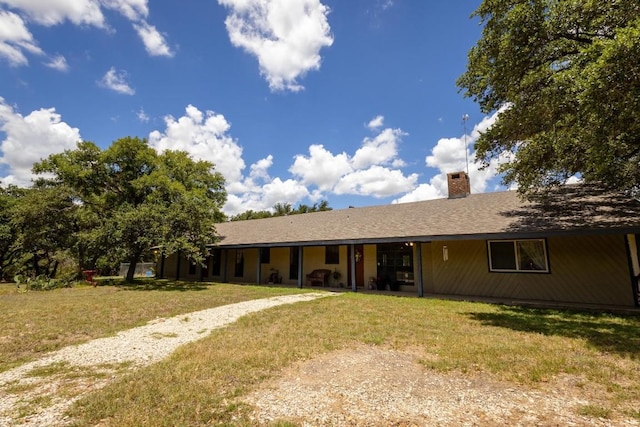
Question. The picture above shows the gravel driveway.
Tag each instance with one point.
(138, 346)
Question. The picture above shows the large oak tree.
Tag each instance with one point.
(131, 198)
(566, 75)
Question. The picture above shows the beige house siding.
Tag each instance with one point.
(586, 269)
(314, 259)
(592, 268)
(370, 260)
(279, 260)
(427, 268)
(465, 270)
(249, 273)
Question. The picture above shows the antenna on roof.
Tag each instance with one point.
(465, 117)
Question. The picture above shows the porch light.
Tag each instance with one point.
(445, 253)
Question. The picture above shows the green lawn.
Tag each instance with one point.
(519, 345)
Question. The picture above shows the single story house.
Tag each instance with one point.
(578, 246)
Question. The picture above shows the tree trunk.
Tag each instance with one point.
(132, 269)
(132, 265)
(54, 270)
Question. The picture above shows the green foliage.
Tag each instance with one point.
(43, 222)
(9, 197)
(39, 283)
(282, 209)
(566, 77)
(251, 214)
(128, 198)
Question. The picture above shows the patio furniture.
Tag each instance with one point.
(318, 277)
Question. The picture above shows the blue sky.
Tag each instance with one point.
(294, 101)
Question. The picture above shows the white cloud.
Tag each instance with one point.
(376, 123)
(380, 150)
(143, 117)
(58, 62)
(278, 191)
(53, 12)
(369, 172)
(117, 81)
(366, 173)
(204, 136)
(265, 196)
(134, 10)
(78, 12)
(153, 40)
(260, 169)
(15, 38)
(422, 192)
(376, 181)
(286, 36)
(31, 138)
(321, 168)
(448, 156)
(259, 191)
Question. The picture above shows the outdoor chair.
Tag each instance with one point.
(318, 277)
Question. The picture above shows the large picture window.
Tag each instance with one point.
(528, 255)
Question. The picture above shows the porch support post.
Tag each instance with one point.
(259, 267)
(418, 247)
(300, 266)
(352, 261)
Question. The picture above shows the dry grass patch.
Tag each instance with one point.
(595, 357)
(37, 322)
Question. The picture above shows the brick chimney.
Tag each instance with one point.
(459, 185)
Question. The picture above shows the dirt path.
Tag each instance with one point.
(376, 387)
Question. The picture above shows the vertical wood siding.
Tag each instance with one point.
(427, 268)
(583, 269)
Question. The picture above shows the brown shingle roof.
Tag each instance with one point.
(575, 209)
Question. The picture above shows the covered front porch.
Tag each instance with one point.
(386, 266)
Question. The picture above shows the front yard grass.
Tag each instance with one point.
(36, 322)
(202, 382)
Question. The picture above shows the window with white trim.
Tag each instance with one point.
(525, 255)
